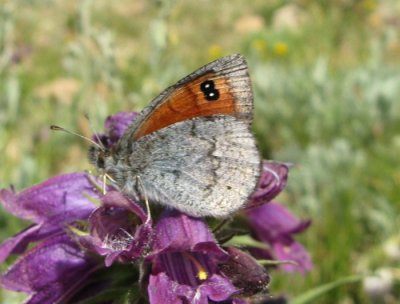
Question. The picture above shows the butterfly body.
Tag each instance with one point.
(191, 148)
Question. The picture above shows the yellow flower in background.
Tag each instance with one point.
(214, 51)
(173, 38)
(369, 5)
(281, 48)
(260, 45)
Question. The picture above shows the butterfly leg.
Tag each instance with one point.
(146, 200)
(106, 176)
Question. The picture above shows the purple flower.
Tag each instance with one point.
(119, 229)
(51, 206)
(50, 271)
(179, 260)
(185, 262)
(272, 181)
(275, 225)
(115, 126)
(54, 267)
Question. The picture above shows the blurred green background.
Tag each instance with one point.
(326, 76)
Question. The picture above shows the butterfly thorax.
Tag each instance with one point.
(119, 165)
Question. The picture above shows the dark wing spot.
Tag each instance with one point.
(209, 90)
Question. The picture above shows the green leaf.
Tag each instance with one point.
(276, 262)
(313, 294)
(245, 240)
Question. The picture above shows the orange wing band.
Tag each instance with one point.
(187, 102)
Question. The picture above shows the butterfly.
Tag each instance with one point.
(191, 148)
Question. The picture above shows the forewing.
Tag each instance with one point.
(220, 87)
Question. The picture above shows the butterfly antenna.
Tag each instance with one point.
(58, 128)
(93, 131)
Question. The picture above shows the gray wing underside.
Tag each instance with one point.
(202, 166)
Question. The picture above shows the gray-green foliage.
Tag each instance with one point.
(328, 102)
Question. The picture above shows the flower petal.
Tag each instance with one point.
(52, 205)
(217, 288)
(18, 242)
(62, 196)
(163, 290)
(176, 231)
(294, 252)
(272, 181)
(120, 229)
(115, 126)
(137, 248)
(272, 220)
(115, 199)
(49, 270)
(275, 225)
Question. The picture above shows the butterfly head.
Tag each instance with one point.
(97, 156)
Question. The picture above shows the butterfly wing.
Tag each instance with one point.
(192, 146)
(204, 166)
(220, 87)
